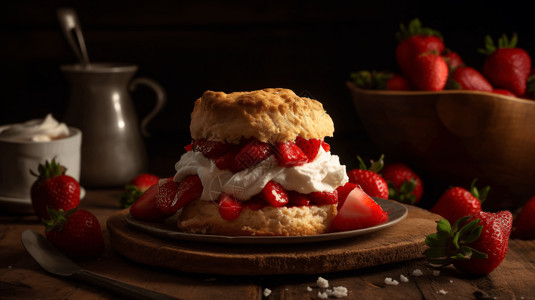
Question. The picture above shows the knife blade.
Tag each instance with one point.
(55, 262)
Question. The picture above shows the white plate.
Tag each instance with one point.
(22, 205)
(396, 212)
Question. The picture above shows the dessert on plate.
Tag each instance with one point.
(258, 165)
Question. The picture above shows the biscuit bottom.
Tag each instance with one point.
(200, 216)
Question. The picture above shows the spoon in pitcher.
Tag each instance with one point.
(68, 20)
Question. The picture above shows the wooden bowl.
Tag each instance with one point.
(456, 136)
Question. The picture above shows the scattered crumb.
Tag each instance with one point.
(267, 292)
(442, 292)
(451, 281)
(390, 281)
(309, 289)
(322, 282)
(337, 291)
(10, 267)
(417, 273)
(322, 295)
(403, 278)
(436, 272)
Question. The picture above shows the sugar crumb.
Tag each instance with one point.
(442, 292)
(322, 282)
(309, 289)
(417, 273)
(337, 292)
(403, 278)
(267, 292)
(436, 273)
(322, 295)
(390, 281)
(451, 281)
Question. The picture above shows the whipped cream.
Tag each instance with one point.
(323, 174)
(36, 130)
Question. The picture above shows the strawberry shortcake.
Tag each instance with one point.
(258, 165)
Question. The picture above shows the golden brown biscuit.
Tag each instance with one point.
(202, 216)
(270, 115)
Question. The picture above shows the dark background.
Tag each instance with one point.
(310, 47)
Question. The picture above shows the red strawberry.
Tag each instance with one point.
(188, 147)
(251, 154)
(324, 198)
(453, 60)
(429, 72)
(503, 92)
(358, 211)
(53, 188)
(137, 186)
(255, 203)
(76, 233)
(457, 202)
(229, 207)
(468, 78)
(403, 183)
(173, 195)
(310, 147)
(524, 223)
(343, 191)
(210, 149)
(414, 41)
(289, 155)
(369, 179)
(145, 206)
(380, 81)
(298, 199)
(274, 194)
(475, 245)
(506, 66)
(325, 146)
(226, 161)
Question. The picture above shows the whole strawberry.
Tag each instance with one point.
(136, 187)
(474, 245)
(76, 233)
(368, 178)
(53, 188)
(457, 202)
(403, 183)
(524, 223)
(468, 78)
(380, 81)
(418, 55)
(453, 59)
(506, 66)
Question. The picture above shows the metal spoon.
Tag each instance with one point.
(68, 20)
(53, 261)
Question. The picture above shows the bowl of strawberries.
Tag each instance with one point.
(454, 121)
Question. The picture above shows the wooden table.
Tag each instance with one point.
(22, 278)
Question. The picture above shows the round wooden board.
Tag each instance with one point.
(401, 242)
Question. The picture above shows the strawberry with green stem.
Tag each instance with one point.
(404, 184)
(53, 188)
(76, 233)
(369, 179)
(380, 81)
(506, 66)
(136, 187)
(475, 245)
(457, 202)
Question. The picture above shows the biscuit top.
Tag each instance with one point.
(270, 115)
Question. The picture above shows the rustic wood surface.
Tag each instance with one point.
(22, 278)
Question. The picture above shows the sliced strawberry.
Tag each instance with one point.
(188, 147)
(289, 155)
(251, 154)
(210, 149)
(358, 211)
(298, 199)
(274, 194)
(173, 195)
(255, 203)
(145, 206)
(324, 198)
(229, 207)
(310, 147)
(343, 191)
(325, 146)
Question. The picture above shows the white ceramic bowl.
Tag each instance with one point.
(17, 158)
